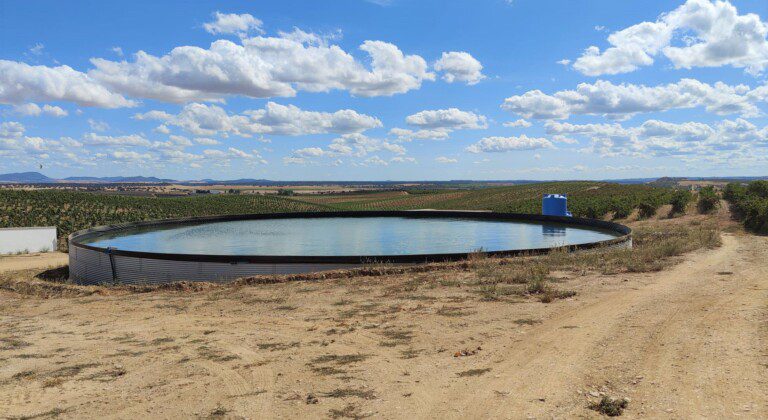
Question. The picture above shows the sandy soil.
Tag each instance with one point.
(32, 261)
(690, 341)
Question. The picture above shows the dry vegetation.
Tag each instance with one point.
(438, 340)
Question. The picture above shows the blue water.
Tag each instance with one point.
(332, 236)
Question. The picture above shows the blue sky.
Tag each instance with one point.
(384, 90)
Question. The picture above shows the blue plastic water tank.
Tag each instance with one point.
(555, 205)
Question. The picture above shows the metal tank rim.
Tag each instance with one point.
(625, 237)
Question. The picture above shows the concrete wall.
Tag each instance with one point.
(30, 239)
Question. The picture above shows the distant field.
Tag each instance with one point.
(590, 199)
(71, 210)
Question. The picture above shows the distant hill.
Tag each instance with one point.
(25, 178)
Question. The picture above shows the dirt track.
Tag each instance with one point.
(690, 341)
(29, 261)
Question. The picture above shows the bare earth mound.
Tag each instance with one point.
(459, 342)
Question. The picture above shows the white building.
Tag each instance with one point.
(28, 239)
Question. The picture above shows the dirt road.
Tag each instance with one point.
(689, 341)
(692, 343)
(31, 261)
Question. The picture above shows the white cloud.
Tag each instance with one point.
(443, 159)
(130, 156)
(624, 100)
(660, 138)
(21, 83)
(460, 66)
(206, 141)
(508, 144)
(518, 123)
(232, 23)
(438, 124)
(713, 34)
(375, 160)
(128, 140)
(37, 49)
(291, 120)
(207, 120)
(97, 125)
(263, 67)
(404, 134)
(11, 129)
(450, 119)
(162, 129)
(350, 145)
(34, 110)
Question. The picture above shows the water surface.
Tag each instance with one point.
(334, 236)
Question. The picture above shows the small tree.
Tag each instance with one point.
(647, 210)
(709, 201)
(680, 200)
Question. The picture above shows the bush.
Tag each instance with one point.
(621, 209)
(750, 204)
(647, 210)
(758, 189)
(680, 200)
(709, 201)
(734, 192)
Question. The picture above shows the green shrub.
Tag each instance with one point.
(709, 201)
(758, 189)
(647, 210)
(750, 204)
(680, 200)
(734, 192)
(621, 209)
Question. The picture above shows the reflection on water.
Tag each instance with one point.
(553, 230)
(350, 236)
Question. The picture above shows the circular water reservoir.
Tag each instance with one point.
(225, 248)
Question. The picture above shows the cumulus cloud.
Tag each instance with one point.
(349, 145)
(712, 34)
(130, 156)
(34, 110)
(443, 159)
(404, 134)
(94, 139)
(11, 129)
(97, 125)
(625, 100)
(207, 120)
(459, 66)
(438, 124)
(451, 119)
(22, 83)
(518, 123)
(660, 138)
(258, 66)
(263, 67)
(233, 23)
(508, 144)
(206, 141)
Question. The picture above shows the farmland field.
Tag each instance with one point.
(588, 199)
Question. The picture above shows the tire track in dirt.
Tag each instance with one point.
(554, 361)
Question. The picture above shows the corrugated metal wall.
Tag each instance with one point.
(94, 267)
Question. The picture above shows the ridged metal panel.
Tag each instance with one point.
(93, 267)
(89, 267)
